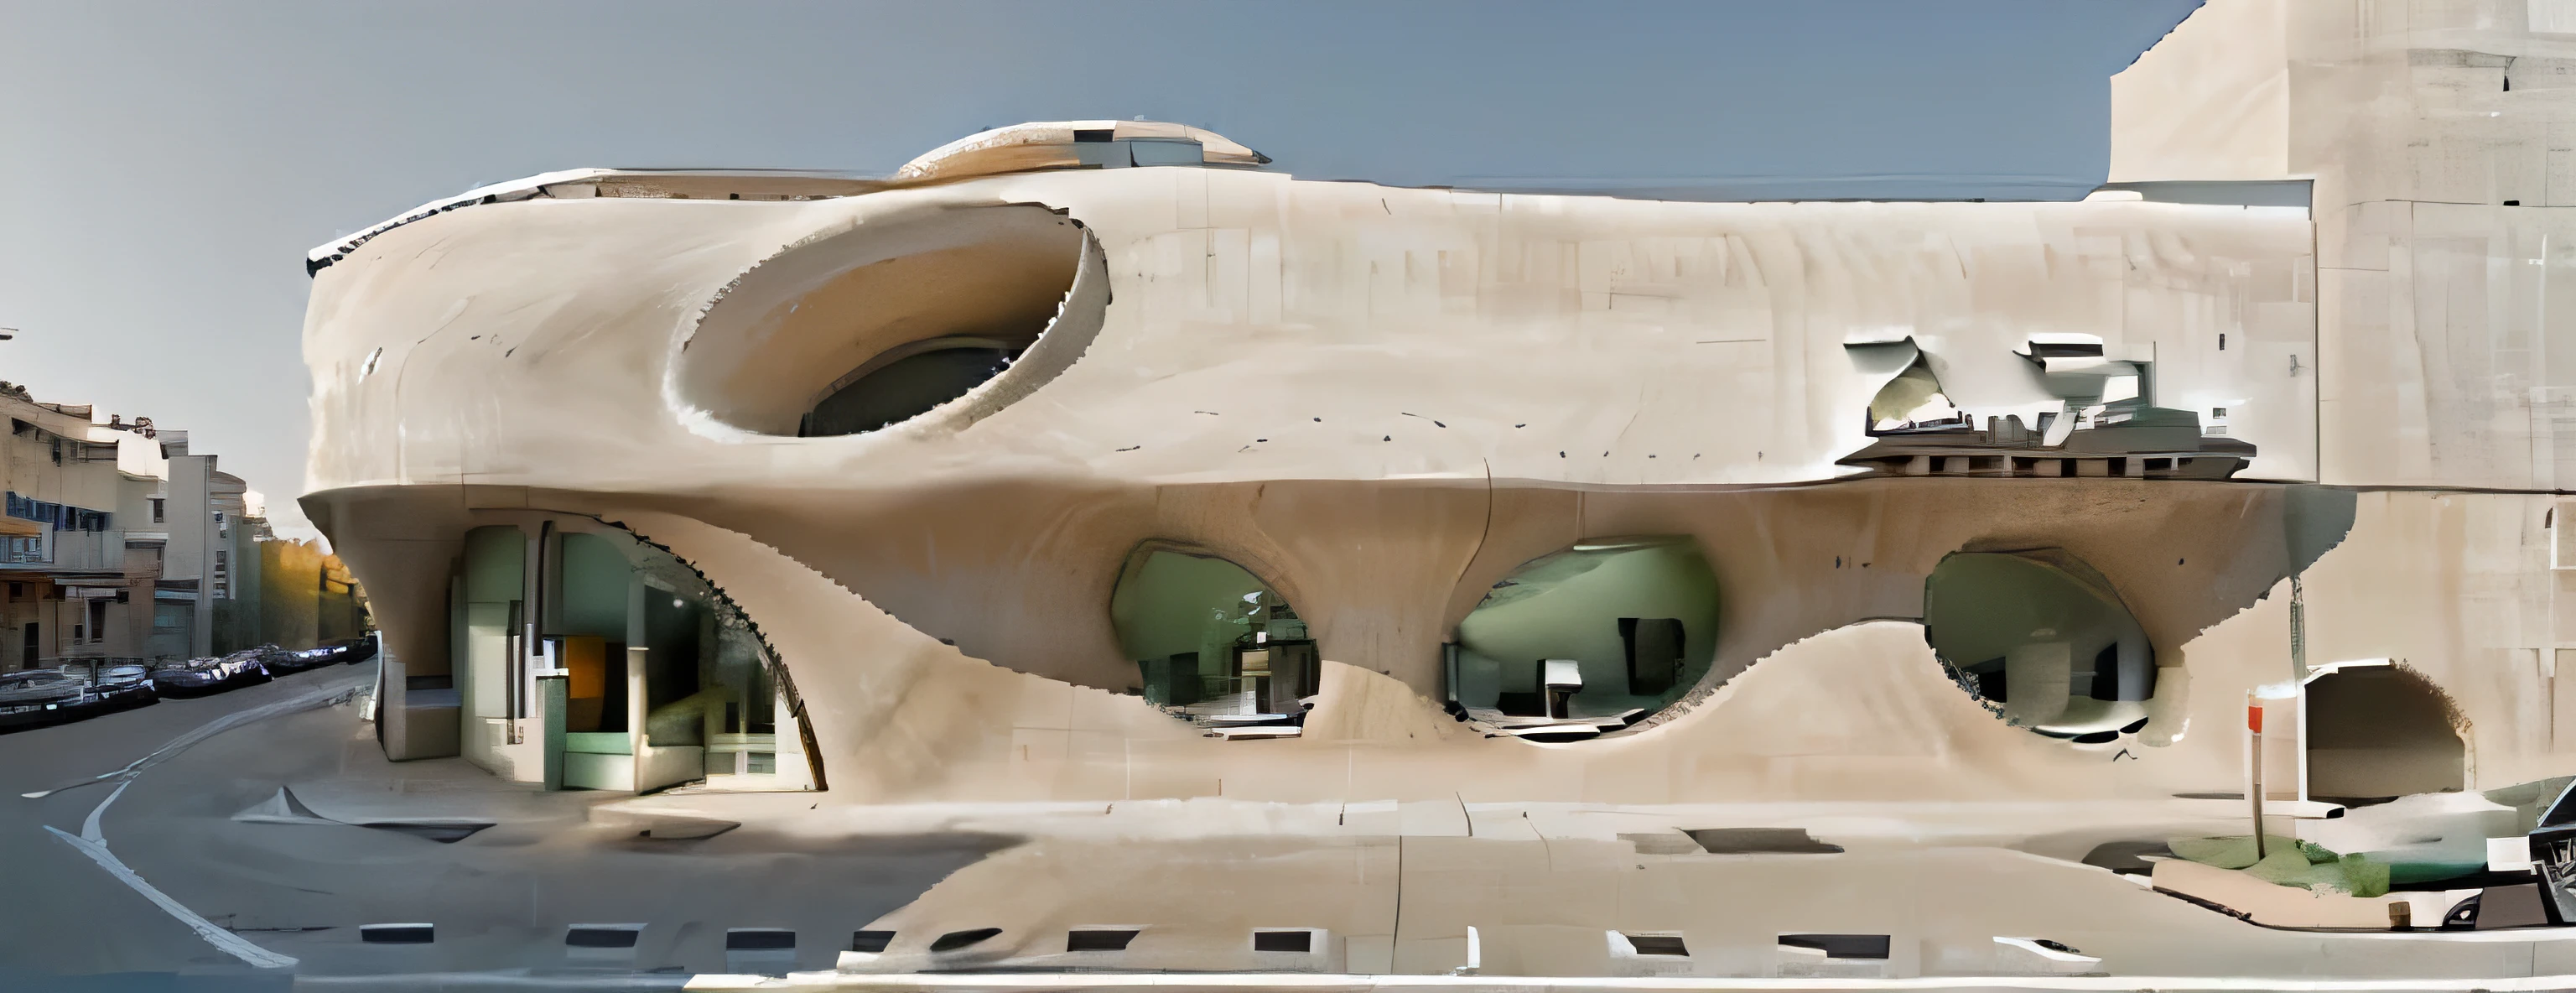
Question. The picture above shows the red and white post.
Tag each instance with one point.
(2254, 790)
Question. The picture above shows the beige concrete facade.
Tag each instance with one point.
(1384, 403)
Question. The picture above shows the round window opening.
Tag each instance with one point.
(1588, 640)
(1212, 642)
(898, 316)
(2042, 640)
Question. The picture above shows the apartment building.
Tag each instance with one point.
(118, 541)
(78, 584)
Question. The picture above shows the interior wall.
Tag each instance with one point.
(1568, 605)
(2048, 626)
(593, 587)
(494, 571)
(1172, 602)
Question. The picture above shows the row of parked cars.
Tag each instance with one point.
(80, 690)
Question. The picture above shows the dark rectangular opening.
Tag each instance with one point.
(1099, 940)
(397, 934)
(746, 939)
(1753, 841)
(1093, 134)
(1654, 648)
(2105, 684)
(1657, 944)
(870, 941)
(670, 655)
(1840, 946)
(955, 940)
(1283, 941)
(1989, 676)
(1521, 704)
(585, 936)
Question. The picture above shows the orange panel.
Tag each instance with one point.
(586, 657)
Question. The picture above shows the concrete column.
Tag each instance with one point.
(2037, 676)
(551, 690)
(635, 712)
(393, 719)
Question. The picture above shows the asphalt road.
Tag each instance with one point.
(501, 899)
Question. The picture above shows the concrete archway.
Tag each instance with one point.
(2381, 731)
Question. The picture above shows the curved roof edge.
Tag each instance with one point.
(1018, 148)
(763, 184)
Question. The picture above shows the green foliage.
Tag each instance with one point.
(2289, 862)
(2237, 851)
(2363, 876)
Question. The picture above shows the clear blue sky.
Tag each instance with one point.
(164, 166)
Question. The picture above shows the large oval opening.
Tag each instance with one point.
(1588, 640)
(1211, 641)
(888, 321)
(2042, 639)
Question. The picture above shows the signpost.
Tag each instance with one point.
(2254, 792)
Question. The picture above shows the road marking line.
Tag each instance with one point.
(93, 843)
(233, 944)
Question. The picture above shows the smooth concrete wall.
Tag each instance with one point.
(897, 714)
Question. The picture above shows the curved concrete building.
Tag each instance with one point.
(1111, 463)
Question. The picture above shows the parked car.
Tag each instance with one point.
(209, 676)
(38, 697)
(282, 662)
(117, 684)
(344, 651)
(360, 649)
(2553, 853)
